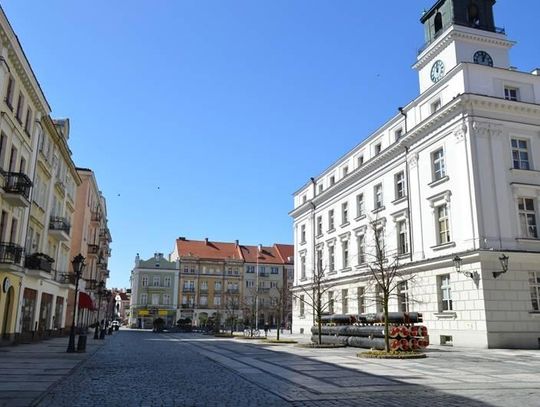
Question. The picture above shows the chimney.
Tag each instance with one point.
(259, 248)
(236, 242)
(206, 241)
(181, 238)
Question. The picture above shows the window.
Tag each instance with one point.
(28, 121)
(303, 234)
(345, 253)
(360, 160)
(439, 168)
(319, 225)
(527, 218)
(330, 302)
(520, 154)
(361, 248)
(332, 180)
(303, 267)
(250, 283)
(534, 285)
(166, 299)
(9, 92)
(398, 134)
(344, 301)
(304, 199)
(403, 296)
(319, 259)
(155, 281)
(402, 236)
(155, 299)
(436, 105)
(217, 286)
(250, 269)
(204, 286)
(302, 305)
(345, 171)
(273, 284)
(377, 149)
(361, 300)
(217, 300)
(167, 281)
(378, 195)
(438, 25)
(274, 270)
(344, 213)
(144, 298)
(321, 188)
(203, 300)
(379, 243)
(359, 205)
(331, 255)
(145, 281)
(20, 105)
(445, 293)
(399, 180)
(331, 219)
(511, 93)
(443, 230)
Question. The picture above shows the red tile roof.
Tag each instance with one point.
(267, 255)
(204, 249)
(285, 252)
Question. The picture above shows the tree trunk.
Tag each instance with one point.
(386, 336)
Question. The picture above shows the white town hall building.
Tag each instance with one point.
(455, 173)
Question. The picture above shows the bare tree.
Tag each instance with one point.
(314, 295)
(231, 308)
(384, 272)
(278, 301)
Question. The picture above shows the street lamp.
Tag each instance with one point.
(100, 288)
(78, 267)
(457, 264)
(504, 264)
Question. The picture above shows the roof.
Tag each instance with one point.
(123, 296)
(285, 252)
(268, 255)
(206, 249)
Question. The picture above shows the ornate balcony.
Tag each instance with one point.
(39, 261)
(188, 289)
(17, 188)
(93, 249)
(95, 217)
(59, 228)
(10, 253)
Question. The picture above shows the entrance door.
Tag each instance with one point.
(8, 312)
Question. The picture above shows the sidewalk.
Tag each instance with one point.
(27, 371)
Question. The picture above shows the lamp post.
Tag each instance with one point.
(457, 264)
(101, 286)
(504, 264)
(108, 296)
(78, 267)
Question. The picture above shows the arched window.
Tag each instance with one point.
(473, 15)
(438, 23)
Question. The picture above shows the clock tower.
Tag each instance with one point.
(459, 31)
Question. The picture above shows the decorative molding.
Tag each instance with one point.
(412, 160)
(460, 132)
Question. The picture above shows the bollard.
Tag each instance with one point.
(81, 343)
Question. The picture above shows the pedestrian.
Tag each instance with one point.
(265, 329)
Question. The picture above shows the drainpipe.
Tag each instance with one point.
(408, 188)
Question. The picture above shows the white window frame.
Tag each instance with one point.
(402, 234)
(319, 226)
(344, 301)
(534, 289)
(360, 209)
(511, 93)
(403, 296)
(445, 292)
(331, 258)
(442, 219)
(378, 196)
(361, 248)
(344, 213)
(527, 217)
(400, 184)
(345, 253)
(331, 225)
(361, 299)
(144, 298)
(518, 161)
(438, 164)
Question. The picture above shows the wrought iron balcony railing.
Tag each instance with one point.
(10, 253)
(59, 223)
(17, 183)
(39, 261)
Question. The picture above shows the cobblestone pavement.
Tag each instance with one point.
(145, 369)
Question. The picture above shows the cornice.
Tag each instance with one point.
(21, 65)
(456, 33)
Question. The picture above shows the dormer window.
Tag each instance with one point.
(436, 105)
(332, 180)
(378, 148)
(345, 171)
(473, 15)
(360, 161)
(438, 24)
(398, 134)
(511, 93)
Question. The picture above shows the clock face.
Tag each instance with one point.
(482, 58)
(437, 71)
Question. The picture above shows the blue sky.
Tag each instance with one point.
(201, 118)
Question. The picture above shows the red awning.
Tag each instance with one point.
(85, 301)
